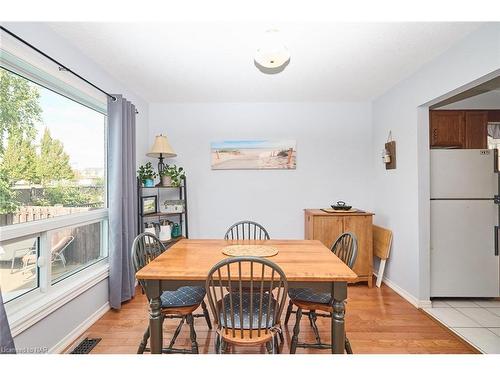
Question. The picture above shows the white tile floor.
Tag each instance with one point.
(476, 321)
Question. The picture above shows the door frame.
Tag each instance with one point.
(424, 195)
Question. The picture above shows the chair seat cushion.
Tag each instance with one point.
(309, 295)
(184, 296)
(225, 321)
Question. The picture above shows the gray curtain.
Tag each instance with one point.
(122, 198)
(6, 342)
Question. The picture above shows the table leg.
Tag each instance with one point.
(339, 293)
(155, 317)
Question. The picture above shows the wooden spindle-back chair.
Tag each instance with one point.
(246, 230)
(247, 296)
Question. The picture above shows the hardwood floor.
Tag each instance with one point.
(377, 321)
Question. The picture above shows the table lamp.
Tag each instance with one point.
(161, 149)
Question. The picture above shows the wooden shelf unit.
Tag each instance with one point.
(327, 227)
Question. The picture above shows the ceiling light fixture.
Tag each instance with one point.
(272, 56)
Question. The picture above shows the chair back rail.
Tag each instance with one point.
(246, 230)
(145, 248)
(346, 248)
(246, 294)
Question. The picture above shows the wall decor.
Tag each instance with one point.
(389, 153)
(149, 204)
(253, 155)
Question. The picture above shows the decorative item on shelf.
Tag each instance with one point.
(149, 204)
(161, 149)
(150, 228)
(147, 175)
(165, 230)
(173, 207)
(176, 230)
(389, 153)
(172, 176)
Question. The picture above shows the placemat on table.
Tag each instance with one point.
(250, 250)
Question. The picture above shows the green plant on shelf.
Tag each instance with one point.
(176, 174)
(146, 172)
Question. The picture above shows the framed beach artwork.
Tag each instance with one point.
(253, 155)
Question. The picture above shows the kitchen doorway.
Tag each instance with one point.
(461, 266)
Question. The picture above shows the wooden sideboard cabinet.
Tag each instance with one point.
(326, 227)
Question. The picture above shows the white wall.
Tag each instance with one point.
(333, 161)
(487, 100)
(401, 196)
(49, 331)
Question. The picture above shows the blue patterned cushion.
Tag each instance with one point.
(246, 297)
(309, 295)
(184, 296)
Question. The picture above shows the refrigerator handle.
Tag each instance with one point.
(496, 240)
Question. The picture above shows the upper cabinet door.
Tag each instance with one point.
(476, 132)
(447, 129)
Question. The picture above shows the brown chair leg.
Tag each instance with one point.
(312, 319)
(276, 345)
(280, 333)
(288, 312)
(144, 342)
(296, 330)
(205, 313)
(217, 343)
(192, 333)
(176, 333)
(347, 345)
(269, 347)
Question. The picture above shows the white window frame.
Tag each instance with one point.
(31, 307)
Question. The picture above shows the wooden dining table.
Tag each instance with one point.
(306, 263)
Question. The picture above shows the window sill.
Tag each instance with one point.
(33, 307)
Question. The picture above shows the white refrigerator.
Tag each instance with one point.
(464, 223)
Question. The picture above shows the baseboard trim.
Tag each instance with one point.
(64, 344)
(419, 304)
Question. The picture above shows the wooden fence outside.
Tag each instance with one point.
(33, 213)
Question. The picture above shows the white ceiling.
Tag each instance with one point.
(205, 62)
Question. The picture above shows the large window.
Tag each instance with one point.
(52, 165)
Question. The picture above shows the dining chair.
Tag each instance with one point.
(308, 300)
(246, 230)
(246, 296)
(249, 230)
(180, 303)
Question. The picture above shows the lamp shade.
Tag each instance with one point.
(161, 147)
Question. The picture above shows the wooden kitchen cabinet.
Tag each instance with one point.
(326, 227)
(476, 129)
(459, 129)
(447, 129)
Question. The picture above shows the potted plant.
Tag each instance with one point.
(147, 175)
(172, 176)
